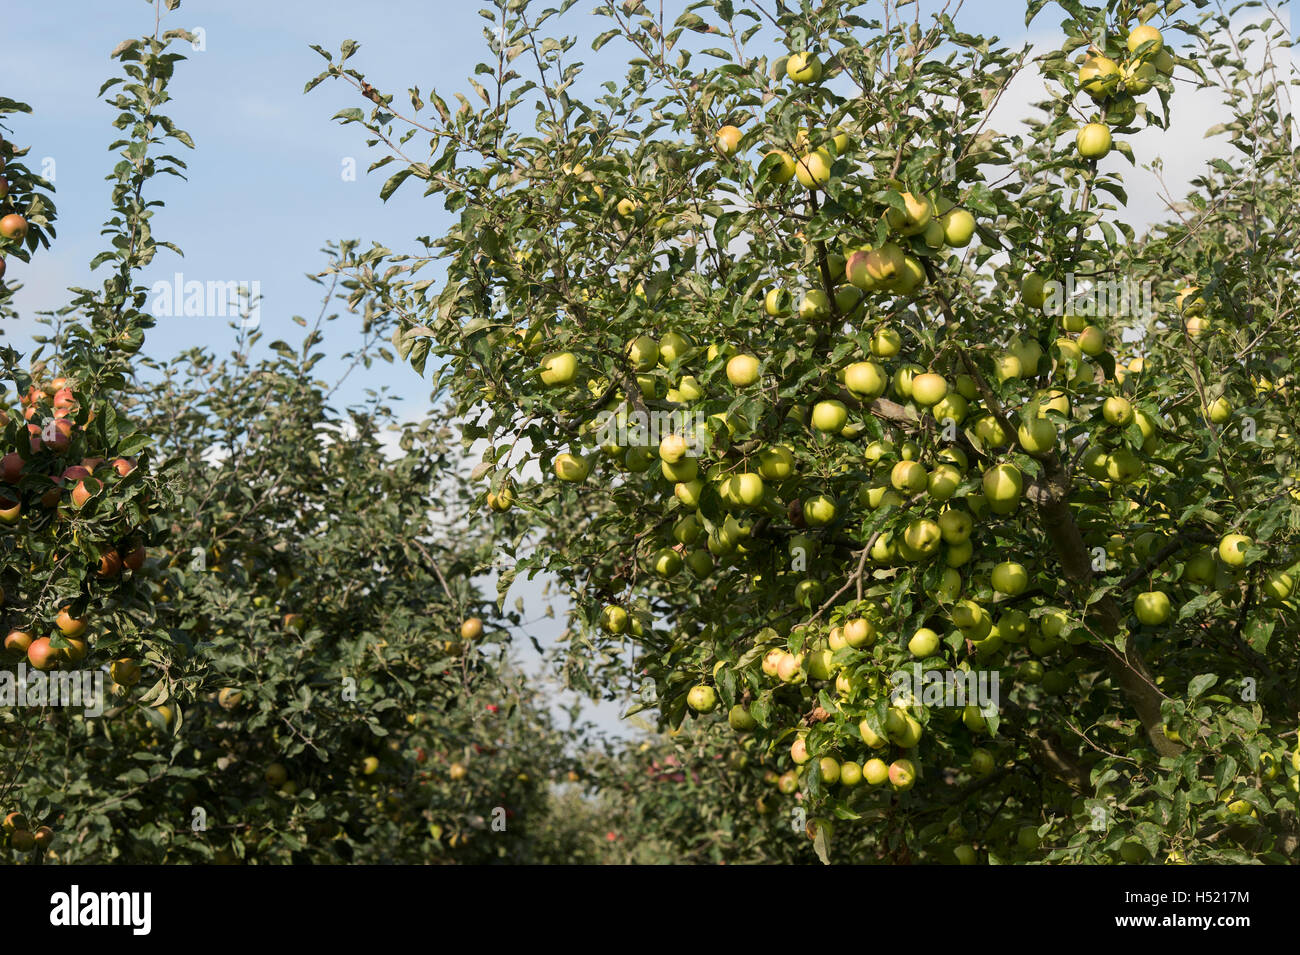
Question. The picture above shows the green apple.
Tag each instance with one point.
(1099, 77)
(859, 632)
(944, 481)
(913, 217)
(680, 472)
(850, 773)
(1033, 291)
(1028, 352)
(572, 467)
(829, 417)
(803, 68)
(1117, 411)
(782, 169)
(886, 342)
(687, 530)
(909, 477)
(921, 539)
(673, 347)
(1143, 34)
(847, 298)
(872, 739)
(814, 305)
(776, 463)
(830, 769)
(1037, 436)
(1152, 607)
(973, 719)
(1092, 341)
(727, 140)
(814, 169)
(902, 775)
(740, 718)
(929, 389)
(981, 762)
(866, 379)
(742, 370)
(777, 300)
(559, 368)
(1027, 838)
(1093, 141)
(958, 227)
(875, 771)
(951, 406)
(1199, 568)
(614, 619)
(1220, 411)
(643, 352)
(1232, 549)
(819, 664)
(672, 448)
(688, 492)
(1278, 586)
(1010, 578)
(1003, 485)
(818, 511)
(702, 698)
(748, 489)
(955, 526)
(924, 643)
(700, 563)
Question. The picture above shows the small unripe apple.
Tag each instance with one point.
(1220, 410)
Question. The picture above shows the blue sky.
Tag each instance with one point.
(265, 190)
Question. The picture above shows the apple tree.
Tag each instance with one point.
(801, 376)
(81, 492)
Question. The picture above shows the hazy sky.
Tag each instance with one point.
(265, 189)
